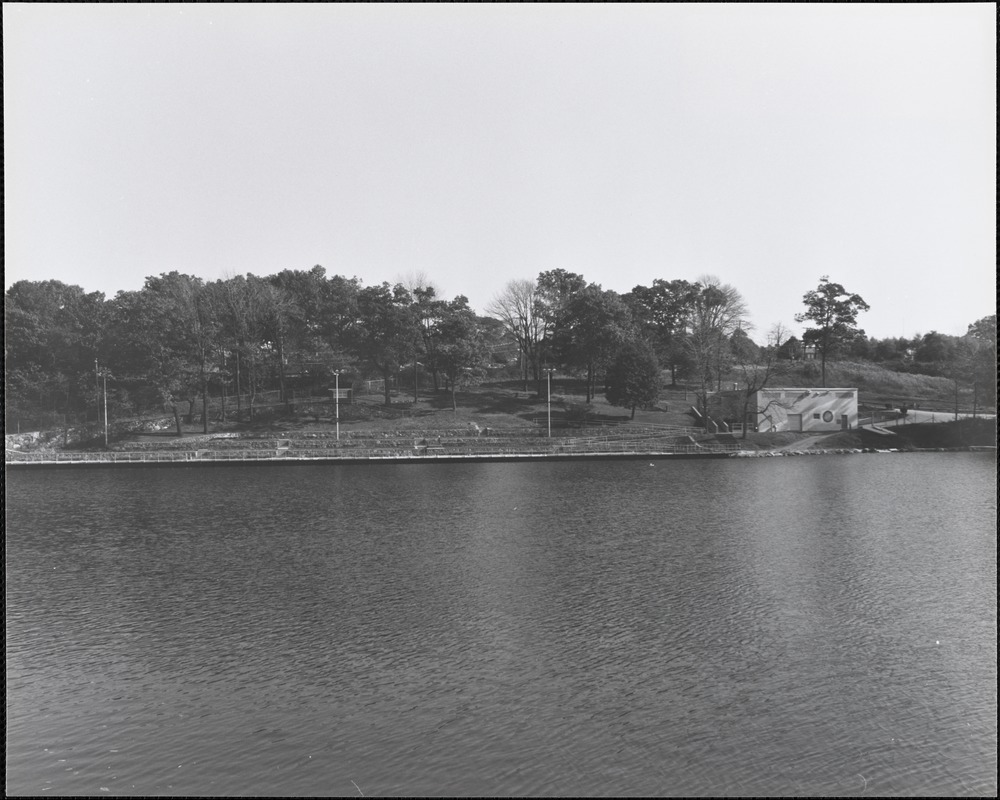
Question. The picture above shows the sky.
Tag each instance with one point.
(768, 145)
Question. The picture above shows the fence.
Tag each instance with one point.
(563, 423)
(374, 386)
(397, 450)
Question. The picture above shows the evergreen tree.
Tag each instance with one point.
(834, 313)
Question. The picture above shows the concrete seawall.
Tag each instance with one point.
(108, 461)
(195, 460)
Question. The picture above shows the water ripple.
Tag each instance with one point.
(539, 629)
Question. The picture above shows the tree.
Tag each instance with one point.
(834, 314)
(897, 348)
(860, 349)
(593, 325)
(282, 328)
(175, 334)
(300, 317)
(495, 339)
(459, 346)
(338, 312)
(243, 308)
(982, 340)
(554, 290)
(661, 313)
(633, 377)
(416, 281)
(717, 311)
(790, 349)
(756, 366)
(517, 308)
(935, 347)
(387, 330)
(52, 334)
(429, 311)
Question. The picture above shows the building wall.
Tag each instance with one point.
(790, 409)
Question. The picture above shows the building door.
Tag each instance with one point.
(844, 424)
(795, 422)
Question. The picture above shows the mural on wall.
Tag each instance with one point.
(790, 409)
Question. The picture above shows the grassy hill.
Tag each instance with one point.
(875, 383)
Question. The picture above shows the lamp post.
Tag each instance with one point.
(97, 386)
(549, 403)
(336, 399)
(105, 376)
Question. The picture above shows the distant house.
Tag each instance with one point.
(791, 409)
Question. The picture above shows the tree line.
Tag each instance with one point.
(179, 340)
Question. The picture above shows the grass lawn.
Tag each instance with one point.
(508, 406)
(503, 406)
(498, 405)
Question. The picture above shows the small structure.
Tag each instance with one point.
(343, 395)
(791, 409)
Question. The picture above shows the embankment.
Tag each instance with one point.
(942, 435)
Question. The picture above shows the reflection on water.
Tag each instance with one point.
(821, 626)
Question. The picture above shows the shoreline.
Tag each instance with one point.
(249, 458)
(259, 461)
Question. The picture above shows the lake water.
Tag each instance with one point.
(787, 626)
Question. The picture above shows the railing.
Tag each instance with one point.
(629, 437)
(486, 449)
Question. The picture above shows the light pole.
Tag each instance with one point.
(97, 386)
(549, 374)
(336, 399)
(105, 376)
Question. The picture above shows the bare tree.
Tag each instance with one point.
(717, 311)
(755, 367)
(418, 280)
(517, 308)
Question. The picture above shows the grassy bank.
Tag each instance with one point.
(509, 410)
(878, 385)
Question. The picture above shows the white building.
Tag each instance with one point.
(790, 409)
